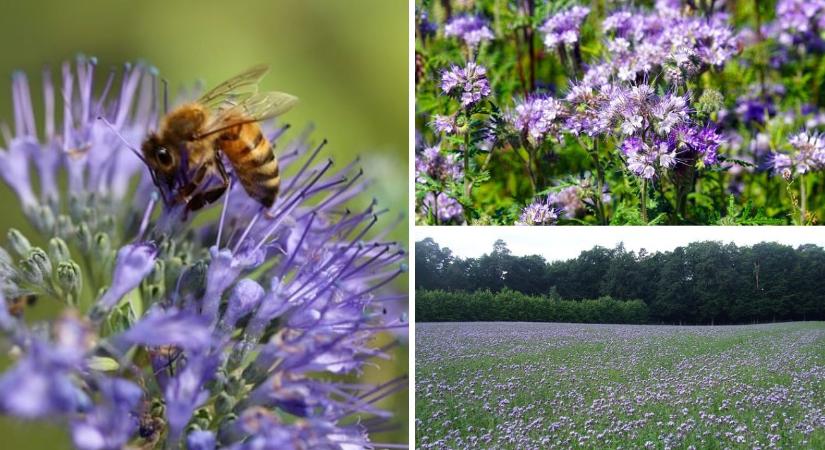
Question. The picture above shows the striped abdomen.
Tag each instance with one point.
(254, 161)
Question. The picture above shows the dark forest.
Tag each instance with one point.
(701, 283)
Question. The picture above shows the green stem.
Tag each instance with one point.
(644, 200)
(803, 199)
(467, 184)
(599, 184)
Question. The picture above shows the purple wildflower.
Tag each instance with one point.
(540, 212)
(563, 27)
(310, 271)
(473, 30)
(537, 118)
(444, 124)
(810, 152)
(567, 200)
(433, 164)
(468, 83)
(445, 208)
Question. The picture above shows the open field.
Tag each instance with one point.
(530, 385)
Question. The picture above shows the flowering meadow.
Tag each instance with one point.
(547, 386)
(232, 327)
(619, 112)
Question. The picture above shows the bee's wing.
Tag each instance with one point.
(256, 108)
(242, 85)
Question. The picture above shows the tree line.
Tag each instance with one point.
(701, 283)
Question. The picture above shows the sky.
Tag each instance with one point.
(561, 243)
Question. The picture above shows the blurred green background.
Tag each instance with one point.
(346, 61)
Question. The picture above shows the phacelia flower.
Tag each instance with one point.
(810, 152)
(471, 29)
(445, 208)
(540, 212)
(444, 124)
(537, 118)
(564, 26)
(469, 84)
(433, 164)
(230, 331)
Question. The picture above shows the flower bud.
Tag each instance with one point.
(103, 245)
(18, 242)
(36, 268)
(84, 237)
(58, 250)
(70, 280)
(65, 227)
(710, 101)
(44, 219)
(224, 403)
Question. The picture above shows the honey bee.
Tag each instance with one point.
(184, 154)
(17, 306)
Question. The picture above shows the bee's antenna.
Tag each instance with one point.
(165, 95)
(117, 133)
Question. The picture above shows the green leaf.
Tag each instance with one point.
(103, 364)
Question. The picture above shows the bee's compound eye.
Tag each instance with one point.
(163, 156)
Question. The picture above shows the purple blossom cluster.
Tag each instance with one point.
(446, 209)
(469, 83)
(563, 28)
(541, 212)
(558, 386)
(809, 153)
(798, 23)
(473, 30)
(432, 163)
(538, 117)
(233, 331)
(640, 42)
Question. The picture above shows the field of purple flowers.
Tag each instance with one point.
(531, 386)
(619, 112)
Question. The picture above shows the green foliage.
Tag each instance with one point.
(702, 283)
(512, 306)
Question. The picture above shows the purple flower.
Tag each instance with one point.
(133, 264)
(471, 29)
(563, 27)
(810, 152)
(113, 421)
(201, 440)
(433, 164)
(444, 124)
(160, 327)
(186, 391)
(567, 200)
(537, 117)
(671, 110)
(468, 83)
(445, 208)
(312, 272)
(245, 299)
(540, 212)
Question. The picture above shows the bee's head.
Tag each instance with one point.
(162, 160)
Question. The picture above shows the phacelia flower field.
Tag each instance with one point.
(618, 112)
(531, 386)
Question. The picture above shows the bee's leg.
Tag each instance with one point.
(184, 194)
(212, 194)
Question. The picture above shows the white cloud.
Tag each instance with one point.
(560, 243)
